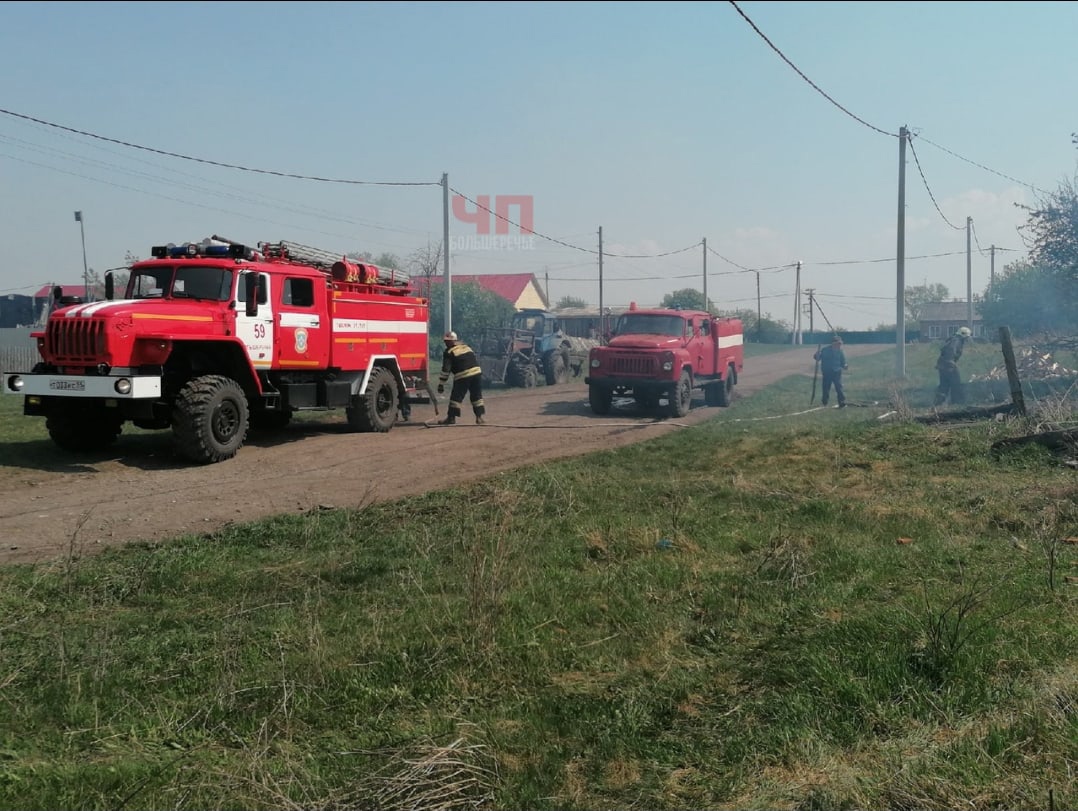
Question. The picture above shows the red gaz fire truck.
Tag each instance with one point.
(656, 354)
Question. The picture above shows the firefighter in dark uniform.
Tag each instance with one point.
(947, 365)
(460, 361)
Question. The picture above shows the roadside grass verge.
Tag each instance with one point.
(778, 608)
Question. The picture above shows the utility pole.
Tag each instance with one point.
(448, 319)
(705, 276)
(809, 291)
(796, 337)
(759, 318)
(85, 270)
(900, 262)
(969, 275)
(992, 272)
(602, 313)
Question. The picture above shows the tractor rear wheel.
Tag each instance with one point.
(522, 373)
(556, 366)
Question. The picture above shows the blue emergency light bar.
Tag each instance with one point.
(189, 249)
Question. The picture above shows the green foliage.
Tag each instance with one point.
(915, 299)
(1044, 288)
(474, 308)
(763, 329)
(383, 260)
(1028, 299)
(1053, 231)
(570, 302)
(685, 299)
(720, 617)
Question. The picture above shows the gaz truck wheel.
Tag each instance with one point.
(681, 396)
(82, 427)
(724, 390)
(375, 411)
(600, 399)
(210, 419)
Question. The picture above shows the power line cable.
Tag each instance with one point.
(771, 268)
(830, 326)
(217, 163)
(982, 166)
(806, 78)
(261, 200)
(870, 126)
(548, 238)
(931, 196)
(180, 200)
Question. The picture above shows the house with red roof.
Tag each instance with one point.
(522, 290)
(43, 298)
(45, 293)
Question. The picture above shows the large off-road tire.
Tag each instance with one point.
(681, 396)
(522, 373)
(81, 427)
(556, 366)
(375, 411)
(210, 419)
(600, 399)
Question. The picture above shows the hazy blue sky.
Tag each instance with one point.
(663, 124)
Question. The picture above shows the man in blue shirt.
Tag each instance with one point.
(832, 364)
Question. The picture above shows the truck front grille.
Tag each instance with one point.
(635, 365)
(72, 341)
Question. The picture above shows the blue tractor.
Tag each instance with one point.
(533, 349)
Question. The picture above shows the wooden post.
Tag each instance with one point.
(1012, 371)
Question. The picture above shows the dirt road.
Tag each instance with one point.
(141, 491)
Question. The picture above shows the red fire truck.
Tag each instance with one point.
(213, 337)
(665, 354)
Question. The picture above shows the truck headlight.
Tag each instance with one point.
(122, 386)
(668, 365)
(595, 363)
(14, 383)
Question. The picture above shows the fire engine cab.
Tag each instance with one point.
(210, 338)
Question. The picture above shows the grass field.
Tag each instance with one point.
(774, 609)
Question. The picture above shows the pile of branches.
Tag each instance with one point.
(1032, 364)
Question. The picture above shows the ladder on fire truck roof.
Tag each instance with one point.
(324, 260)
(315, 257)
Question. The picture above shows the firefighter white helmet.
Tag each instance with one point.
(450, 336)
(964, 332)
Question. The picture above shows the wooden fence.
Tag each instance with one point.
(18, 352)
